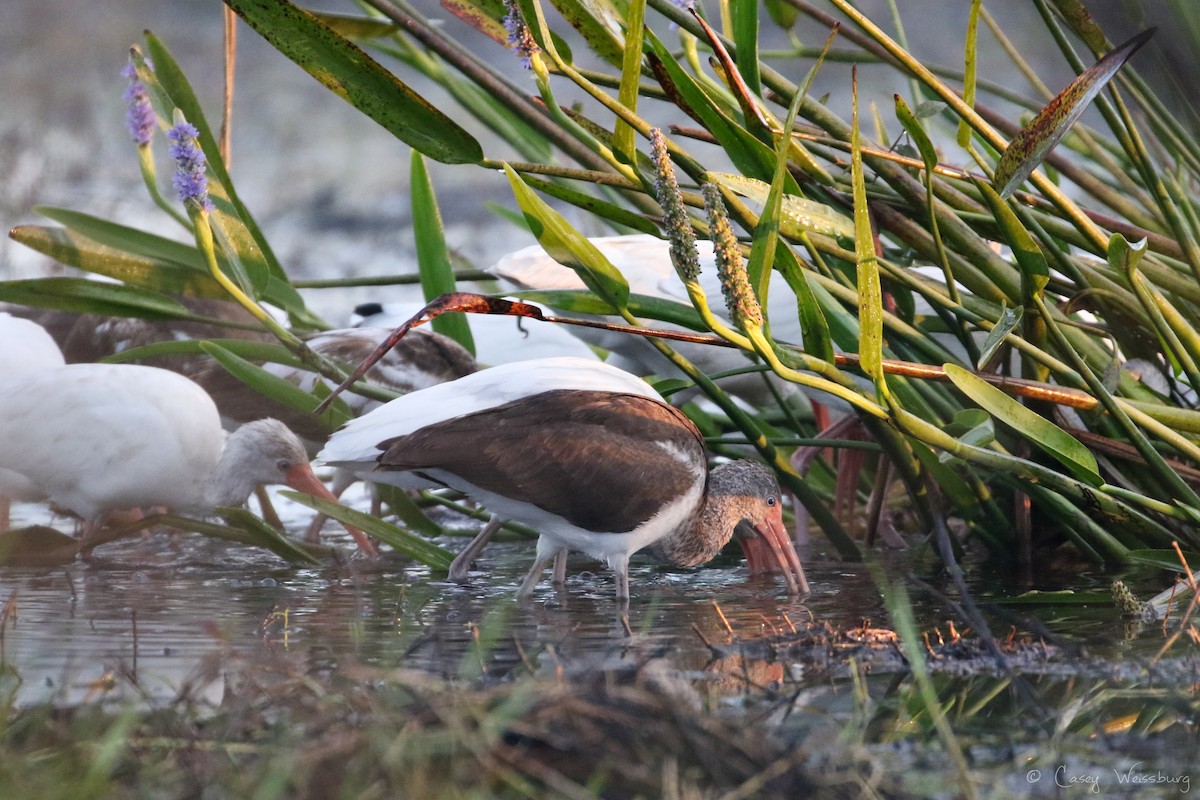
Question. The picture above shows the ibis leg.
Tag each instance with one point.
(620, 567)
(535, 575)
(560, 568)
(461, 565)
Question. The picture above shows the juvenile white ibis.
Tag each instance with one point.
(587, 454)
(95, 438)
(24, 346)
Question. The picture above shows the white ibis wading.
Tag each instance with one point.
(587, 454)
(24, 346)
(95, 438)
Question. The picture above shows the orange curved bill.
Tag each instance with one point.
(769, 548)
(302, 479)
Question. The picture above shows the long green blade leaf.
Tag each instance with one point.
(433, 261)
(1029, 147)
(400, 540)
(1037, 429)
(276, 387)
(357, 78)
(568, 246)
(91, 297)
(77, 250)
(870, 294)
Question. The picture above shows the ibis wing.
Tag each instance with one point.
(601, 461)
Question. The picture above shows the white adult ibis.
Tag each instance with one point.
(95, 438)
(498, 340)
(24, 346)
(645, 262)
(587, 454)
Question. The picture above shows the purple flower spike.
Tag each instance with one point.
(140, 118)
(519, 37)
(190, 179)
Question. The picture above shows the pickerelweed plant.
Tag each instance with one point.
(1051, 290)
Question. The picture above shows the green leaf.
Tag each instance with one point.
(401, 503)
(798, 215)
(357, 27)
(37, 546)
(669, 386)
(276, 387)
(1064, 597)
(568, 246)
(748, 154)
(640, 305)
(245, 348)
(971, 59)
(745, 41)
(972, 426)
(912, 126)
(259, 534)
(1165, 559)
(596, 22)
(1035, 271)
(357, 78)
(592, 205)
(433, 262)
(813, 323)
(624, 144)
(1045, 434)
(766, 233)
(482, 15)
(400, 540)
(131, 240)
(870, 294)
(1010, 318)
(76, 250)
(1029, 147)
(91, 297)
(1125, 256)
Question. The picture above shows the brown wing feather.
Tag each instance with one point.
(586, 456)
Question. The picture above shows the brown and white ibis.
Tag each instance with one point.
(587, 454)
(96, 438)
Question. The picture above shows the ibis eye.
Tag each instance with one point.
(771, 500)
(283, 465)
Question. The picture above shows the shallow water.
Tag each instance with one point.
(161, 616)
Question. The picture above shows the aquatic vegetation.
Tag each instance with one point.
(1005, 315)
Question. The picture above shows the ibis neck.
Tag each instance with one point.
(704, 535)
(228, 485)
